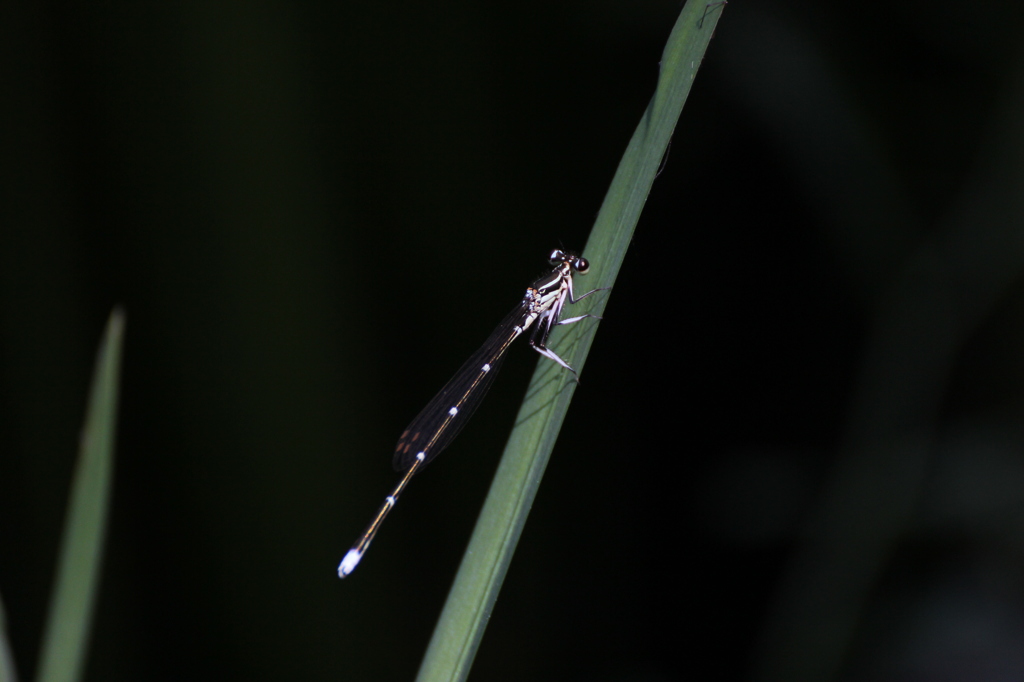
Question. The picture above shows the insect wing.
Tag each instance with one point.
(442, 419)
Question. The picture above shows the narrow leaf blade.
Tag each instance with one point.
(471, 599)
(67, 628)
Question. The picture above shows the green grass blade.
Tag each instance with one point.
(460, 628)
(8, 673)
(67, 625)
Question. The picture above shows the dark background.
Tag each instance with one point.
(797, 452)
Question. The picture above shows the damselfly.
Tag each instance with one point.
(441, 420)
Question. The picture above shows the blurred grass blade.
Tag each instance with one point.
(460, 628)
(67, 625)
(8, 673)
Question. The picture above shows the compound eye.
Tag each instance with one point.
(582, 265)
(556, 257)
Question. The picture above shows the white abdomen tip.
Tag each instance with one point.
(349, 563)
